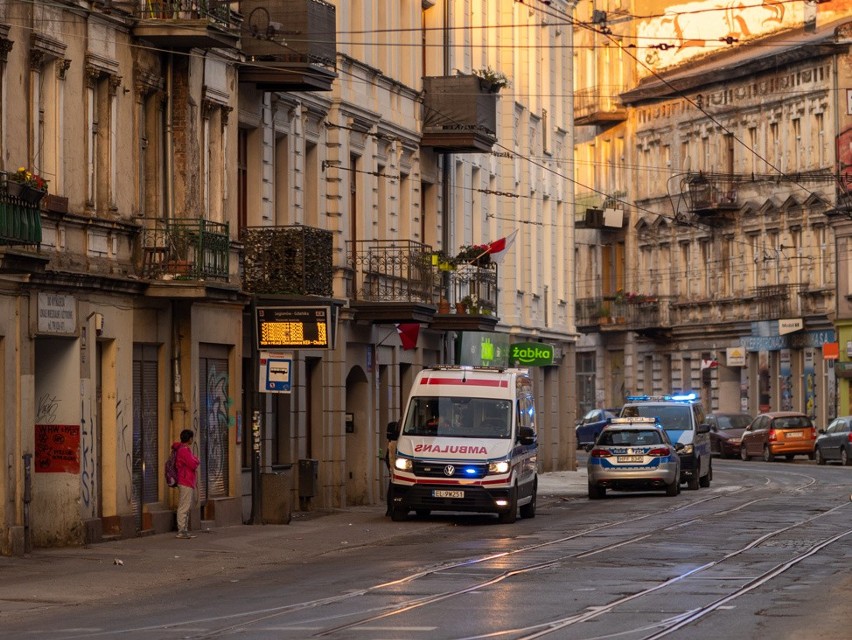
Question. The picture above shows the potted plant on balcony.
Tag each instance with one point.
(444, 262)
(474, 254)
(471, 304)
(490, 80)
(604, 312)
(27, 186)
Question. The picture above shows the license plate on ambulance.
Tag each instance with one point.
(630, 458)
(443, 493)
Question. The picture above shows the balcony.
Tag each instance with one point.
(474, 290)
(20, 220)
(185, 249)
(188, 24)
(289, 260)
(599, 105)
(772, 301)
(711, 198)
(392, 281)
(290, 45)
(645, 315)
(459, 114)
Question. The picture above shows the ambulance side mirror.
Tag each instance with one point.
(392, 432)
(526, 435)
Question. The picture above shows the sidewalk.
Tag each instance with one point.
(50, 577)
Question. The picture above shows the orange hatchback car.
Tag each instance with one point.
(779, 433)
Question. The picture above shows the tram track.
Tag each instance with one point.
(388, 611)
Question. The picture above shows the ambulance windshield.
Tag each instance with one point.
(458, 417)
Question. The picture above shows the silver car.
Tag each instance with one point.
(633, 454)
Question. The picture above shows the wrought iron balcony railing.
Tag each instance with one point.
(218, 11)
(185, 249)
(290, 260)
(711, 195)
(475, 288)
(598, 105)
(391, 271)
(188, 23)
(20, 221)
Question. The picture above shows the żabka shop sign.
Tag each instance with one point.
(531, 354)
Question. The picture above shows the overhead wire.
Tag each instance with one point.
(535, 160)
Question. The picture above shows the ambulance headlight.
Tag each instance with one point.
(498, 467)
(687, 450)
(403, 464)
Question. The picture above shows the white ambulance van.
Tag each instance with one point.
(467, 442)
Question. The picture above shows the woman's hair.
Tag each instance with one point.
(186, 435)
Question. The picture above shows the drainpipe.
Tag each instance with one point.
(446, 163)
(170, 154)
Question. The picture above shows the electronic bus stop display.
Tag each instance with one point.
(294, 328)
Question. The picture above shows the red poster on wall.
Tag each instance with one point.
(57, 448)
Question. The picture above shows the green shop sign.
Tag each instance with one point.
(531, 354)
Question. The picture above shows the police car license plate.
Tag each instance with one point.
(630, 458)
(442, 493)
(794, 434)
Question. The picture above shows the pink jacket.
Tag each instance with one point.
(187, 463)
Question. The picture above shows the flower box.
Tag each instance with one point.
(25, 192)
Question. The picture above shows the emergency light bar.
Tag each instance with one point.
(632, 420)
(678, 397)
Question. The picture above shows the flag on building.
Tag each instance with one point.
(408, 334)
(499, 248)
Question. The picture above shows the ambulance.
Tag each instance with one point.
(467, 442)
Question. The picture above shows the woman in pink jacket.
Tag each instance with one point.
(186, 464)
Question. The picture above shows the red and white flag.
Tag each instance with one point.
(408, 334)
(499, 248)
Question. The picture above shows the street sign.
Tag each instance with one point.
(275, 371)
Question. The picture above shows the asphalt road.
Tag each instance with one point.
(763, 553)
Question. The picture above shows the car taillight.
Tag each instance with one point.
(849, 437)
(661, 451)
(600, 453)
(813, 433)
(772, 435)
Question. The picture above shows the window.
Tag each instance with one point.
(101, 138)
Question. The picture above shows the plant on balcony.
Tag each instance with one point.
(444, 262)
(475, 254)
(638, 298)
(26, 185)
(604, 311)
(491, 80)
(471, 304)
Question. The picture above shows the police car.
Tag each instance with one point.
(633, 454)
(682, 416)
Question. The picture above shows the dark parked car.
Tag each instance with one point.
(835, 443)
(589, 428)
(779, 433)
(726, 430)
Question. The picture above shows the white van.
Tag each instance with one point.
(467, 443)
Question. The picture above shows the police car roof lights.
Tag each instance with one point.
(677, 397)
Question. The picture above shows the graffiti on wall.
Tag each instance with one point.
(88, 476)
(217, 419)
(125, 452)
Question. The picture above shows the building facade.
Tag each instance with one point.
(724, 280)
(205, 168)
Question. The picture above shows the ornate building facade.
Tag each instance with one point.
(723, 278)
(207, 168)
